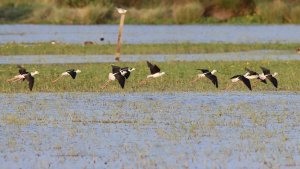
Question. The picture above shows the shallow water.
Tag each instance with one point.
(230, 56)
(144, 130)
(136, 34)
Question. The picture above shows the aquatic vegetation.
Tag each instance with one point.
(176, 48)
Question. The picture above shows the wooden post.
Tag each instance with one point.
(118, 50)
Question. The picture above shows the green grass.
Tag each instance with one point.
(179, 75)
(180, 48)
(151, 12)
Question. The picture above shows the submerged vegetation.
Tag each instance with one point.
(180, 48)
(178, 78)
(150, 12)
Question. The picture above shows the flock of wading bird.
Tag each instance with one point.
(121, 74)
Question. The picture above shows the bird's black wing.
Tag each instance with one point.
(251, 72)
(273, 80)
(73, 74)
(22, 70)
(235, 76)
(121, 79)
(30, 79)
(264, 81)
(115, 69)
(127, 72)
(265, 70)
(153, 68)
(246, 82)
(213, 78)
(204, 70)
(149, 64)
(70, 70)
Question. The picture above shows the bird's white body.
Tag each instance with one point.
(123, 72)
(20, 77)
(235, 79)
(158, 74)
(263, 76)
(23, 76)
(111, 77)
(121, 11)
(250, 77)
(65, 74)
(34, 73)
(68, 74)
(200, 75)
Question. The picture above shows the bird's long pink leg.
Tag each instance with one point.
(54, 81)
(193, 81)
(17, 79)
(255, 83)
(144, 81)
(229, 87)
(105, 84)
(10, 80)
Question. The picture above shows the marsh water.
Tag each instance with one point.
(156, 130)
(136, 34)
(230, 56)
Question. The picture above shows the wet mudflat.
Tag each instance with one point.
(230, 56)
(150, 130)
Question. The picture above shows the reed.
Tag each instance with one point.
(177, 48)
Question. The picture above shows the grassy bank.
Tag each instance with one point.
(182, 48)
(150, 12)
(179, 75)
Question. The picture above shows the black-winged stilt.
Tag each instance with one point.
(155, 72)
(70, 72)
(267, 75)
(121, 74)
(246, 81)
(253, 75)
(209, 75)
(23, 74)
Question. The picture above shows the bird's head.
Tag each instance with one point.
(132, 69)
(34, 73)
(78, 71)
(213, 71)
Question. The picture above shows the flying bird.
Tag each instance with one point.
(121, 10)
(71, 72)
(120, 74)
(267, 75)
(154, 70)
(253, 75)
(23, 74)
(209, 75)
(242, 78)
